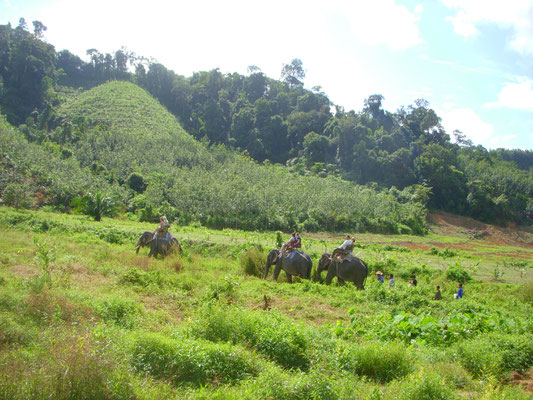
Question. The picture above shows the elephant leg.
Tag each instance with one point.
(289, 278)
(340, 280)
(277, 270)
(331, 273)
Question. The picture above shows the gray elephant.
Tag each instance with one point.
(351, 269)
(294, 263)
(160, 245)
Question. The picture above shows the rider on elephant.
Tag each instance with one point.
(162, 229)
(289, 245)
(345, 249)
(298, 243)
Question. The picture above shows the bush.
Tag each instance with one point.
(271, 334)
(381, 362)
(425, 386)
(17, 195)
(118, 310)
(458, 274)
(280, 385)
(68, 369)
(253, 261)
(194, 362)
(525, 292)
(497, 354)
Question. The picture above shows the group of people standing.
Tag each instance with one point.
(413, 282)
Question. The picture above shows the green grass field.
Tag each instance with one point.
(84, 317)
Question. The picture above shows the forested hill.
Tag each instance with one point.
(272, 121)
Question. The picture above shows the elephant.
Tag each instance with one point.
(294, 263)
(351, 269)
(158, 246)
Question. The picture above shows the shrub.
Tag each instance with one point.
(68, 369)
(458, 274)
(381, 362)
(271, 334)
(194, 362)
(280, 385)
(96, 205)
(425, 386)
(17, 195)
(525, 292)
(118, 310)
(497, 354)
(253, 261)
(454, 375)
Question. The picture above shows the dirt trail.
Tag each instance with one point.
(453, 225)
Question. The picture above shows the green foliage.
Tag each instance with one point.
(269, 333)
(193, 362)
(381, 362)
(426, 328)
(96, 205)
(458, 274)
(425, 385)
(17, 195)
(253, 261)
(525, 291)
(496, 354)
(68, 369)
(118, 310)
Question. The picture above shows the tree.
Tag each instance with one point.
(96, 205)
(38, 29)
(293, 74)
(316, 148)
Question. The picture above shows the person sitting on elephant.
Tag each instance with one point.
(298, 243)
(289, 245)
(162, 229)
(346, 248)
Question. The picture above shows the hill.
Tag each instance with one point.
(175, 175)
(123, 107)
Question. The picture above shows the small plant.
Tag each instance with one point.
(497, 273)
(44, 258)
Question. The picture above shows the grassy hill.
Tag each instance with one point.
(82, 316)
(189, 181)
(123, 107)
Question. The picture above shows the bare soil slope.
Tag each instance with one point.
(453, 225)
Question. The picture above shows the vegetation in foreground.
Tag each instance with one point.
(84, 317)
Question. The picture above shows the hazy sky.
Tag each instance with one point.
(471, 59)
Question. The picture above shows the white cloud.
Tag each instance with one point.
(516, 15)
(517, 95)
(397, 27)
(468, 122)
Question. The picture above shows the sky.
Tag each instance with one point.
(472, 60)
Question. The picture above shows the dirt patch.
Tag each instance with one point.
(525, 380)
(25, 271)
(453, 225)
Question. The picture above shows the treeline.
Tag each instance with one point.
(280, 121)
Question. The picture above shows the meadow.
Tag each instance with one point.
(84, 317)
